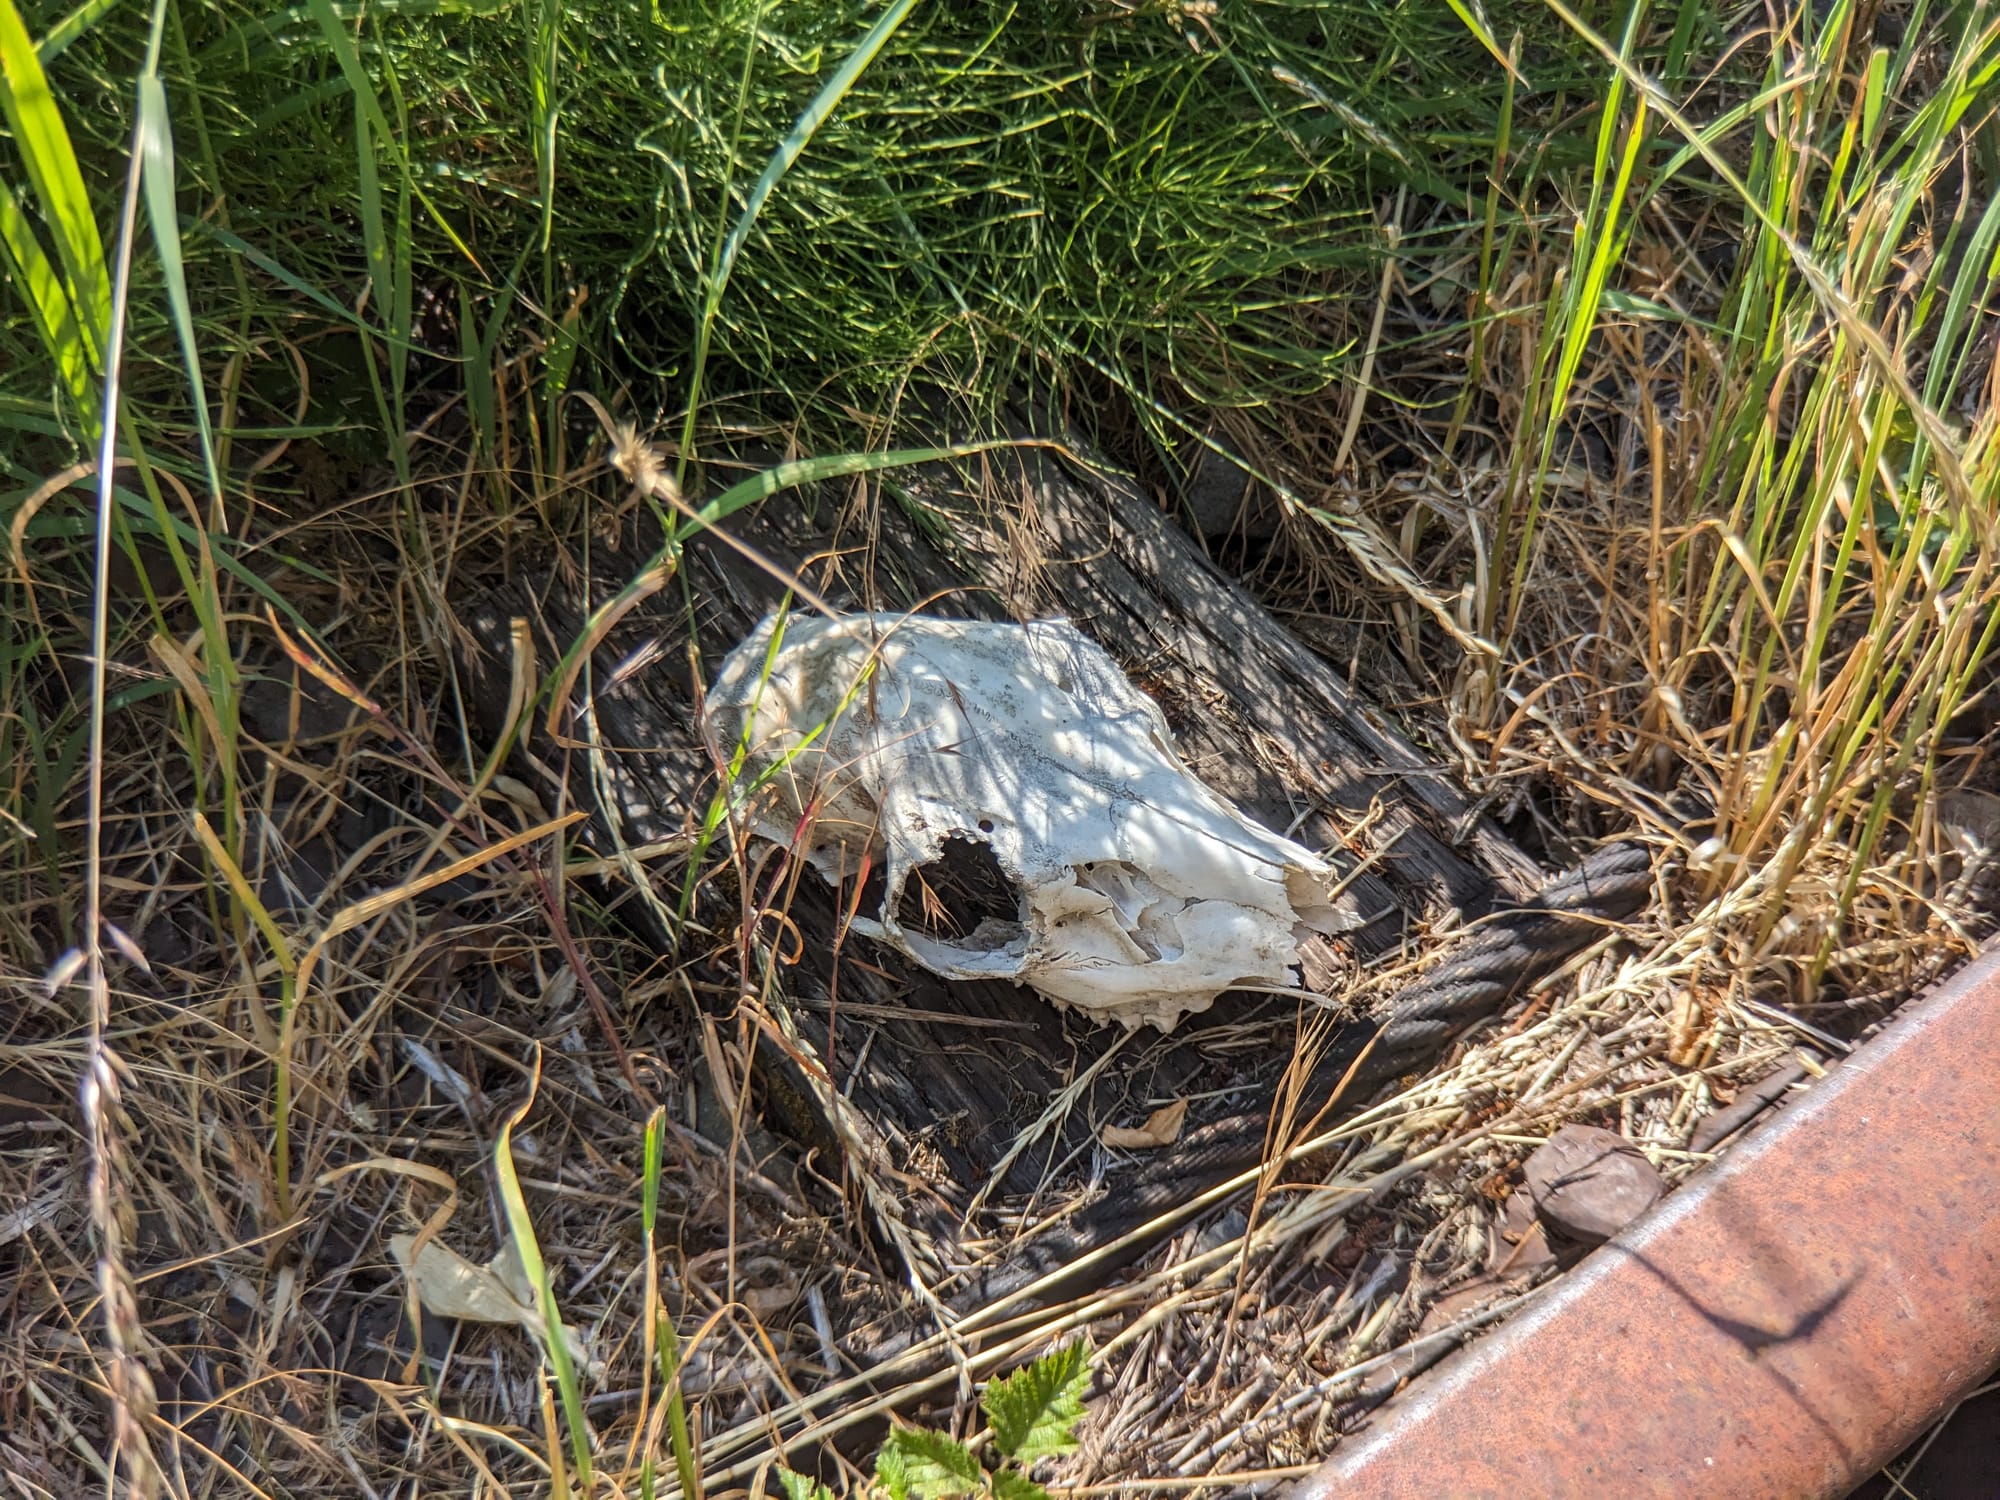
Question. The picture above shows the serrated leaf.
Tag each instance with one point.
(1034, 1411)
(928, 1465)
(798, 1487)
(1012, 1484)
(890, 1472)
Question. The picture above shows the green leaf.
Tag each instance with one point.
(55, 320)
(156, 175)
(369, 108)
(77, 23)
(521, 1226)
(482, 400)
(832, 466)
(1871, 93)
(44, 144)
(749, 492)
(798, 1487)
(890, 1471)
(804, 128)
(1035, 1410)
(1473, 18)
(928, 1465)
(1012, 1484)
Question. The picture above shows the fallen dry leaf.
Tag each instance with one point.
(1162, 1128)
(450, 1286)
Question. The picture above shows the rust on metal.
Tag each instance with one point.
(1781, 1326)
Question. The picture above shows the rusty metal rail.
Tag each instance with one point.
(1781, 1326)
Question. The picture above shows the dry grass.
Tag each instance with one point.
(280, 1341)
(386, 965)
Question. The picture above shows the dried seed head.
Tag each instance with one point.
(644, 465)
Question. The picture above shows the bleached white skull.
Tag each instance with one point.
(1139, 894)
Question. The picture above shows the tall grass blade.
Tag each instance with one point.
(1475, 23)
(482, 399)
(289, 279)
(156, 173)
(759, 486)
(342, 46)
(402, 302)
(800, 471)
(1836, 303)
(132, 1392)
(381, 272)
(44, 144)
(72, 26)
(542, 64)
(281, 1062)
(667, 1349)
(789, 150)
(800, 136)
(49, 302)
(521, 1226)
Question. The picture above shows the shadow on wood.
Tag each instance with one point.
(915, 1091)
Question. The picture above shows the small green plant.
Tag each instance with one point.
(1031, 1415)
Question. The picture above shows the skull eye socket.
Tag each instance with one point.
(952, 896)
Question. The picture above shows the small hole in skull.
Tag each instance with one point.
(985, 825)
(949, 897)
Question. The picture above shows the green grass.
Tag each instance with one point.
(396, 241)
(998, 183)
(1820, 572)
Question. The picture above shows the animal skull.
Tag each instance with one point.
(1140, 895)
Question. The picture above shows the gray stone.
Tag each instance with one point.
(1221, 499)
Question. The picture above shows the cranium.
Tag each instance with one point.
(1139, 894)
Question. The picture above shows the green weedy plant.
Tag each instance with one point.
(1031, 1414)
(1172, 190)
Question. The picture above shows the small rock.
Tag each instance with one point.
(1587, 1183)
(1231, 1225)
(1221, 499)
